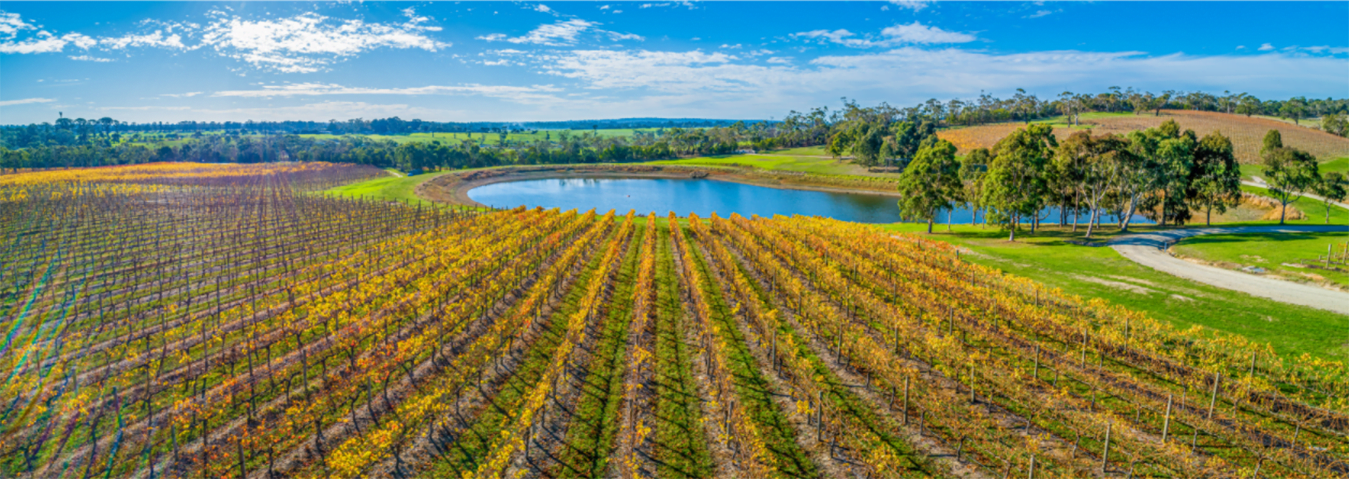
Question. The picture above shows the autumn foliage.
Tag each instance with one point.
(220, 321)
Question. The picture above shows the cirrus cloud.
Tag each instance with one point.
(899, 34)
(26, 101)
(558, 34)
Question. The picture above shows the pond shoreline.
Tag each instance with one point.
(453, 188)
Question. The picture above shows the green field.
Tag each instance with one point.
(1339, 164)
(1273, 252)
(1099, 272)
(492, 138)
(812, 160)
(391, 188)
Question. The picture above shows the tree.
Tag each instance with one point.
(1175, 159)
(973, 168)
(1273, 140)
(1290, 173)
(931, 182)
(1332, 187)
(1294, 109)
(1068, 172)
(1015, 184)
(1335, 124)
(1248, 105)
(1215, 176)
(1137, 173)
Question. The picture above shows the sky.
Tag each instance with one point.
(531, 61)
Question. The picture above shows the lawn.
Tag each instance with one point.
(1339, 164)
(491, 138)
(779, 161)
(392, 188)
(1314, 209)
(1273, 252)
(1102, 273)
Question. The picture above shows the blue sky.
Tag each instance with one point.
(504, 61)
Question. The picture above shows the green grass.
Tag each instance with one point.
(1103, 273)
(751, 387)
(801, 164)
(803, 151)
(1270, 251)
(1339, 164)
(1315, 210)
(391, 188)
(595, 421)
(490, 138)
(681, 447)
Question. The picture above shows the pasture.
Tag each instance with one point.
(1283, 255)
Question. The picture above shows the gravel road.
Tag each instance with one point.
(1149, 249)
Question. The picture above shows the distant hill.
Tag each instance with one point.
(1246, 132)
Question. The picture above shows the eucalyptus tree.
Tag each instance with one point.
(1175, 159)
(1332, 187)
(1069, 169)
(1137, 174)
(1290, 174)
(931, 182)
(973, 169)
(1015, 185)
(1215, 176)
(1248, 105)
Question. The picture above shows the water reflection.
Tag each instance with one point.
(684, 196)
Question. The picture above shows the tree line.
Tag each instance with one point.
(561, 147)
(1163, 172)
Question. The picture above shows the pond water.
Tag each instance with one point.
(684, 196)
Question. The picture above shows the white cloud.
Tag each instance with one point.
(912, 74)
(45, 42)
(310, 42)
(154, 39)
(182, 95)
(900, 34)
(919, 33)
(1266, 47)
(618, 37)
(914, 5)
(11, 24)
(318, 89)
(26, 101)
(1241, 47)
(87, 58)
(656, 70)
(606, 7)
(321, 111)
(561, 33)
(542, 8)
(1041, 13)
(780, 60)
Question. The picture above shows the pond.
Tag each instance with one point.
(684, 196)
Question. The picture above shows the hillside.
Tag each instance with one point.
(1246, 133)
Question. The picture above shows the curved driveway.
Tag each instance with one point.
(1149, 249)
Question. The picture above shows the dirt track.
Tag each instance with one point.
(1149, 249)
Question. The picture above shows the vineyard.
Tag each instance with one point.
(1246, 133)
(198, 321)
